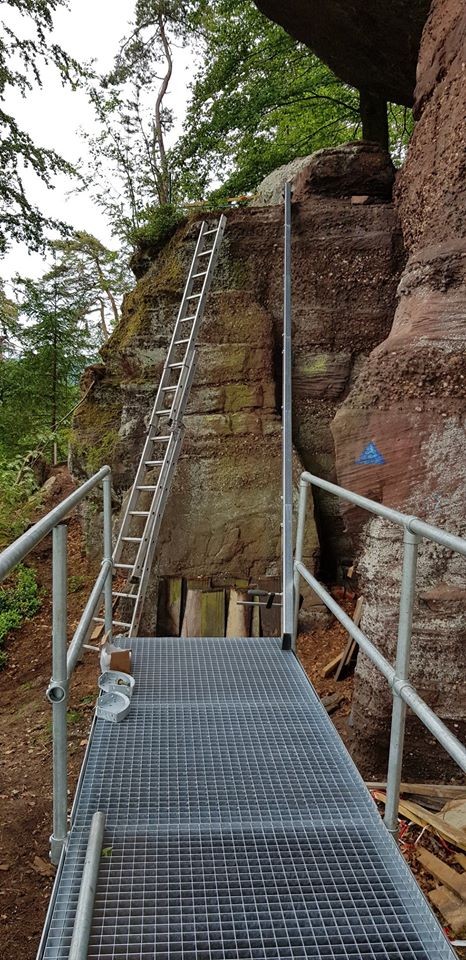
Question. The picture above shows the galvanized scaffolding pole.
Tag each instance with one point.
(58, 694)
(287, 441)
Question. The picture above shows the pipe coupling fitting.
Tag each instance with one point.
(56, 692)
(398, 685)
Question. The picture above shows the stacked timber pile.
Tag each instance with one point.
(433, 840)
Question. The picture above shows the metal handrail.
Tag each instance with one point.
(404, 694)
(19, 549)
(64, 659)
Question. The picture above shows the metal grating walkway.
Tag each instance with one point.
(237, 825)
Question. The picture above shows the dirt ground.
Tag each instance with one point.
(26, 876)
(315, 650)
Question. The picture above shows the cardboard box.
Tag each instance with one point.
(121, 660)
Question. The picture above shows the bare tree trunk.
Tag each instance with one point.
(164, 188)
(374, 118)
(106, 289)
(103, 324)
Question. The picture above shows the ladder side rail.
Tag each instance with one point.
(186, 378)
(183, 306)
(142, 564)
(199, 313)
(157, 521)
(154, 419)
(165, 474)
(133, 496)
(162, 479)
(149, 556)
(182, 386)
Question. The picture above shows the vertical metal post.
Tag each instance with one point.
(79, 947)
(395, 760)
(107, 496)
(58, 693)
(299, 552)
(287, 440)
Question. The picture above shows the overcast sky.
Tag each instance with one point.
(53, 115)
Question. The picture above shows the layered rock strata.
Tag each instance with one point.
(410, 403)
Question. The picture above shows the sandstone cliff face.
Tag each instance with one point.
(410, 400)
(347, 258)
(223, 517)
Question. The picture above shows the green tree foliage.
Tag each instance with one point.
(42, 382)
(130, 167)
(25, 47)
(259, 100)
(63, 318)
(9, 325)
(95, 279)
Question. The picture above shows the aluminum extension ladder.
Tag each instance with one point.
(137, 537)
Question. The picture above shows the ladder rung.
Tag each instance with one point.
(184, 319)
(132, 539)
(117, 623)
(206, 234)
(153, 463)
(197, 275)
(124, 566)
(139, 513)
(173, 387)
(175, 366)
(126, 596)
(163, 413)
(194, 296)
(182, 341)
(145, 487)
(157, 437)
(206, 253)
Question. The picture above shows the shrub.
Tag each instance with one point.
(17, 503)
(158, 224)
(19, 601)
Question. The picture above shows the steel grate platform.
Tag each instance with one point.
(237, 826)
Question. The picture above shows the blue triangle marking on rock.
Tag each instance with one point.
(371, 455)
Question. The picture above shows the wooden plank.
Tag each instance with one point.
(350, 648)
(456, 882)
(255, 621)
(331, 665)
(239, 617)
(332, 702)
(424, 818)
(451, 907)
(461, 859)
(199, 583)
(169, 607)
(423, 789)
(213, 614)
(192, 615)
